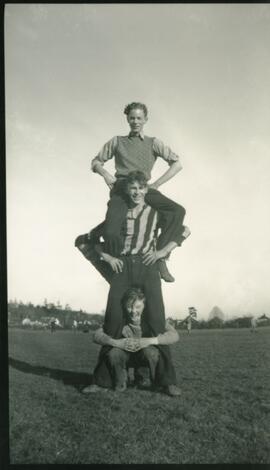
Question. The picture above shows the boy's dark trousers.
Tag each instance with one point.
(170, 222)
(143, 362)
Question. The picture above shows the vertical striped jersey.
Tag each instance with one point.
(140, 230)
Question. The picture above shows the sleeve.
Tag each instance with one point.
(101, 338)
(163, 151)
(106, 153)
(170, 336)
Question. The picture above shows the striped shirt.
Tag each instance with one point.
(140, 230)
(134, 152)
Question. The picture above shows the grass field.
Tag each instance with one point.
(221, 417)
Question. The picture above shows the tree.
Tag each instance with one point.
(216, 312)
(215, 322)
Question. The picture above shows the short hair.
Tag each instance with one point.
(135, 176)
(131, 295)
(136, 105)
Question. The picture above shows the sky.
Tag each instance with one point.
(204, 72)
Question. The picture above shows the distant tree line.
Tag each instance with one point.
(216, 323)
(18, 311)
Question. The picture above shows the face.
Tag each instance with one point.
(135, 311)
(136, 120)
(136, 193)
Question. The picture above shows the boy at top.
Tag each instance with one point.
(136, 151)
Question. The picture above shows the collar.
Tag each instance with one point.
(141, 135)
(135, 211)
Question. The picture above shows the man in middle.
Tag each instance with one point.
(136, 266)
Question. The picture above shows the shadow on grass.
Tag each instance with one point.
(77, 379)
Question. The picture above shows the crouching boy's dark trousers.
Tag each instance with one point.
(135, 273)
(171, 218)
(120, 360)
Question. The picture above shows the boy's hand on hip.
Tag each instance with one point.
(152, 256)
(115, 263)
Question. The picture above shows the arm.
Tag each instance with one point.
(169, 337)
(163, 151)
(106, 153)
(127, 344)
(170, 173)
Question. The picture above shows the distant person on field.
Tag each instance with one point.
(190, 318)
(136, 151)
(254, 322)
(133, 351)
(53, 326)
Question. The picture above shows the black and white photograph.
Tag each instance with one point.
(137, 174)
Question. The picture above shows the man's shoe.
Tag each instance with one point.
(93, 389)
(172, 390)
(164, 272)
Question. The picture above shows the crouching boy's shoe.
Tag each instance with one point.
(121, 387)
(172, 390)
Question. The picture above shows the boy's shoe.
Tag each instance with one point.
(93, 389)
(164, 272)
(145, 382)
(121, 387)
(172, 390)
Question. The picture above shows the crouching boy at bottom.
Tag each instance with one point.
(134, 351)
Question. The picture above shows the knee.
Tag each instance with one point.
(87, 251)
(80, 240)
(82, 247)
(176, 211)
(151, 354)
(116, 356)
(179, 211)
